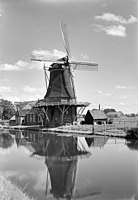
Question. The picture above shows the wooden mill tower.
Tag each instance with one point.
(59, 103)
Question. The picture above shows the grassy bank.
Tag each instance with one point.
(8, 191)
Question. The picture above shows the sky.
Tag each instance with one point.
(101, 31)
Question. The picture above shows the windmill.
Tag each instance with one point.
(60, 98)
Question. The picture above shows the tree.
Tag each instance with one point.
(109, 110)
(7, 109)
(132, 115)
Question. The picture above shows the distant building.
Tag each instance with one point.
(12, 121)
(112, 115)
(116, 117)
(20, 116)
(95, 116)
(21, 113)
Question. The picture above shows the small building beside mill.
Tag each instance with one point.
(95, 116)
(21, 113)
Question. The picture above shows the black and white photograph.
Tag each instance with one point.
(68, 99)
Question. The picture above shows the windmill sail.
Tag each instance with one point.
(84, 66)
(65, 38)
(83, 63)
(45, 58)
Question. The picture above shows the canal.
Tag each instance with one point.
(48, 166)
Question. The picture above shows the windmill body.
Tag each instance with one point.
(60, 87)
(59, 104)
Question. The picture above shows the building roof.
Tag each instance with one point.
(22, 113)
(26, 107)
(97, 114)
(29, 105)
(115, 114)
(22, 104)
(112, 114)
(35, 110)
(12, 118)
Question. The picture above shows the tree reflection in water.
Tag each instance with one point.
(132, 144)
(6, 140)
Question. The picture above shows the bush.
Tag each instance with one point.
(132, 133)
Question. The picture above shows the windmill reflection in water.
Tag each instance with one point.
(61, 158)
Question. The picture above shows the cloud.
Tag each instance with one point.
(54, 52)
(104, 93)
(4, 80)
(40, 54)
(24, 97)
(124, 104)
(26, 93)
(85, 56)
(5, 89)
(113, 30)
(115, 24)
(27, 88)
(20, 65)
(33, 93)
(110, 17)
(48, 55)
(125, 87)
(123, 97)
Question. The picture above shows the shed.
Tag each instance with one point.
(95, 116)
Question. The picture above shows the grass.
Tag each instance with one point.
(97, 127)
(8, 191)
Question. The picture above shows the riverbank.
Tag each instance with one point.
(110, 130)
(9, 191)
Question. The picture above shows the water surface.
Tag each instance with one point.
(48, 166)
